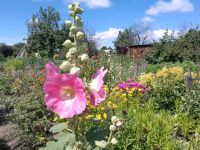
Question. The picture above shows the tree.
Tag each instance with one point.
(173, 48)
(124, 38)
(6, 50)
(138, 33)
(44, 32)
(189, 45)
(92, 42)
(18, 47)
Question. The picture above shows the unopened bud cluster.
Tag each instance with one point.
(116, 123)
(74, 53)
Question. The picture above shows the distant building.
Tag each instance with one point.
(134, 51)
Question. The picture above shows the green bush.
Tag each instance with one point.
(145, 128)
(12, 64)
(187, 65)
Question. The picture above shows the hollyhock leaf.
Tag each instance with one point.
(58, 127)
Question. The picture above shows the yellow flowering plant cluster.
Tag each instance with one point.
(116, 97)
(164, 75)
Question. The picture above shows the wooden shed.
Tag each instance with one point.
(137, 51)
(134, 51)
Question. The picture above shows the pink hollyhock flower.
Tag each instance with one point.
(64, 93)
(97, 93)
(51, 70)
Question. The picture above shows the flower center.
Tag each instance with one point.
(68, 93)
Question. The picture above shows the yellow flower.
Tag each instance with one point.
(102, 108)
(109, 103)
(104, 115)
(123, 95)
(41, 138)
(98, 116)
(114, 106)
(55, 119)
(129, 94)
(89, 116)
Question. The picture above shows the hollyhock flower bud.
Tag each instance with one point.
(76, 4)
(65, 65)
(72, 13)
(73, 29)
(75, 70)
(114, 141)
(67, 44)
(119, 123)
(79, 10)
(114, 119)
(71, 34)
(113, 128)
(68, 23)
(79, 35)
(73, 50)
(37, 55)
(77, 18)
(84, 57)
(79, 23)
(101, 144)
(71, 7)
(68, 55)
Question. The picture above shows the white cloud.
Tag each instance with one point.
(147, 19)
(157, 34)
(174, 5)
(111, 33)
(107, 37)
(94, 3)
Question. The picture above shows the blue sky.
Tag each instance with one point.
(103, 17)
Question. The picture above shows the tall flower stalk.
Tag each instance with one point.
(65, 92)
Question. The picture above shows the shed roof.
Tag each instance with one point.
(140, 45)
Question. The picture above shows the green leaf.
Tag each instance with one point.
(58, 128)
(96, 134)
(52, 145)
(64, 141)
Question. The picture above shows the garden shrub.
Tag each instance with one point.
(14, 64)
(145, 128)
(186, 65)
(168, 86)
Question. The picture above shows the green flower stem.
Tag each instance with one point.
(109, 138)
(76, 43)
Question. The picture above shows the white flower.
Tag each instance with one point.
(71, 7)
(77, 4)
(75, 70)
(37, 55)
(84, 57)
(73, 50)
(114, 141)
(68, 44)
(73, 29)
(68, 55)
(101, 144)
(79, 10)
(72, 13)
(114, 119)
(68, 23)
(79, 23)
(65, 65)
(113, 128)
(77, 18)
(119, 123)
(80, 35)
